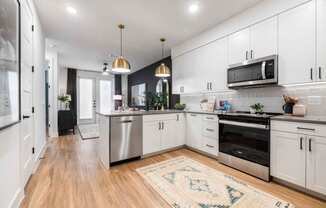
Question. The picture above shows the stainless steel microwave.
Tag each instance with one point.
(254, 73)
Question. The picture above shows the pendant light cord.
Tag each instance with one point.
(121, 41)
(162, 40)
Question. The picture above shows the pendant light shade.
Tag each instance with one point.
(120, 65)
(162, 70)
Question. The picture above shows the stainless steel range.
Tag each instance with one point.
(244, 142)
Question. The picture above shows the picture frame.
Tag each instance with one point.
(10, 63)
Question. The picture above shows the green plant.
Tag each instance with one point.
(156, 100)
(258, 107)
(180, 106)
(64, 98)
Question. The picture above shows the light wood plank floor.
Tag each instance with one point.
(70, 176)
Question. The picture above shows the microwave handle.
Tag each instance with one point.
(263, 69)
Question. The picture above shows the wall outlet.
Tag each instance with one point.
(314, 100)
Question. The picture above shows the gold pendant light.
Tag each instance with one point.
(162, 70)
(120, 65)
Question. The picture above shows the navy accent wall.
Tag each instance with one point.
(117, 90)
(147, 75)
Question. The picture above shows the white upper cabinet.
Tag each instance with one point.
(186, 71)
(239, 46)
(215, 64)
(263, 39)
(321, 40)
(316, 169)
(297, 45)
(257, 41)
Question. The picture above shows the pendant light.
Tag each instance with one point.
(162, 70)
(120, 65)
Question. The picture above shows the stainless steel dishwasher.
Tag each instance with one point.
(126, 138)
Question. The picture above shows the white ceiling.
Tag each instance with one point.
(87, 39)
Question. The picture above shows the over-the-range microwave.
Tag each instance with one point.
(254, 73)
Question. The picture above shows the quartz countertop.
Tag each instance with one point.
(305, 119)
(138, 113)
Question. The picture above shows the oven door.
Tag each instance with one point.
(247, 141)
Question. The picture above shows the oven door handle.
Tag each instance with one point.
(263, 70)
(251, 125)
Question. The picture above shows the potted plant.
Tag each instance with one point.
(257, 108)
(65, 100)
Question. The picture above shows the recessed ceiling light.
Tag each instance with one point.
(193, 8)
(71, 10)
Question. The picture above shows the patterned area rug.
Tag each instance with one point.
(185, 183)
(88, 131)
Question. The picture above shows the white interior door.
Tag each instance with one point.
(27, 124)
(86, 100)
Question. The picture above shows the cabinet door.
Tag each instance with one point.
(151, 137)
(193, 130)
(316, 169)
(263, 39)
(216, 74)
(180, 131)
(168, 137)
(239, 44)
(178, 74)
(297, 45)
(288, 158)
(321, 40)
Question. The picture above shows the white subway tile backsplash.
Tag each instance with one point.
(313, 96)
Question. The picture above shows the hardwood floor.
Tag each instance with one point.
(70, 176)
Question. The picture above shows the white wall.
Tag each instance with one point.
(11, 190)
(62, 80)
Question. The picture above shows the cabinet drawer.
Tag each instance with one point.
(210, 129)
(299, 128)
(210, 118)
(210, 146)
(160, 117)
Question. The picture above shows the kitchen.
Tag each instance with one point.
(215, 104)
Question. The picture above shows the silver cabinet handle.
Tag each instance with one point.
(246, 55)
(178, 117)
(251, 54)
(307, 129)
(319, 69)
(193, 115)
(301, 143)
(310, 148)
(210, 146)
(162, 125)
(159, 125)
(211, 130)
(126, 121)
(210, 118)
(210, 86)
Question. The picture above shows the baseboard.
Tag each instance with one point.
(201, 152)
(39, 156)
(18, 198)
(162, 151)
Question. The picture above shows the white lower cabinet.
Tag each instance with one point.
(194, 122)
(287, 158)
(299, 158)
(202, 132)
(151, 137)
(316, 168)
(162, 132)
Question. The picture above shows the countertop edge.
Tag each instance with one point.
(300, 120)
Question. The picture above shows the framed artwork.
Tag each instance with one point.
(9, 63)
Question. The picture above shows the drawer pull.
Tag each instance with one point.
(194, 115)
(211, 130)
(210, 118)
(301, 143)
(210, 146)
(310, 149)
(307, 129)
